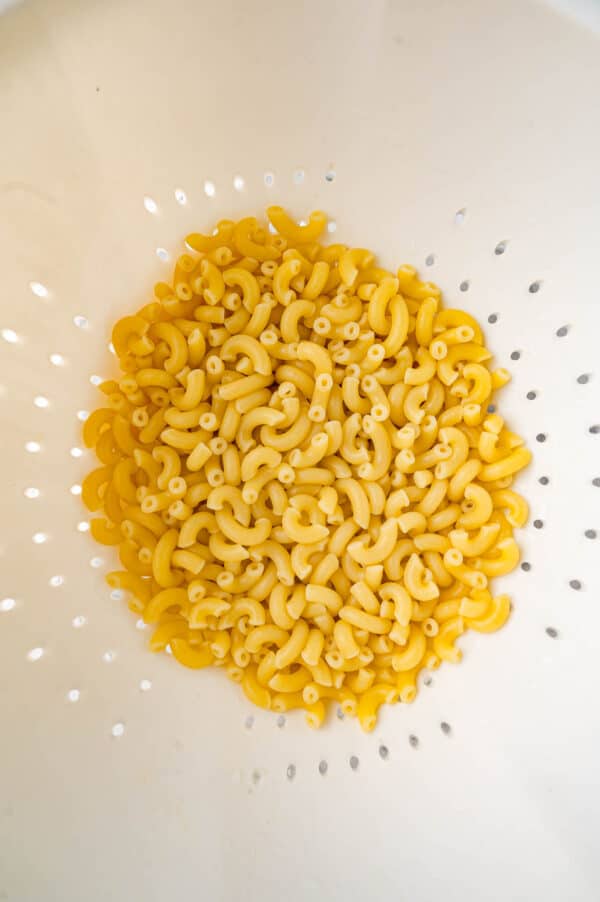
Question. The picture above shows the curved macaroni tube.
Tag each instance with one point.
(330, 599)
(413, 652)
(241, 278)
(317, 280)
(290, 682)
(231, 495)
(226, 552)
(293, 232)
(450, 319)
(379, 465)
(300, 558)
(470, 546)
(266, 668)
(123, 436)
(251, 348)
(278, 607)
(460, 334)
(240, 584)
(470, 576)
(351, 450)
(209, 607)
(471, 352)
(130, 334)
(122, 480)
(190, 656)
(370, 702)
(93, 485)
(259, 416)
(259, 318)
(500, 378)
(242, 535)
(351, 261)
(245, 387)
(424, 321)
(376, 497)
(380, 408)
(291, 317)
(506, 557)
(95, 423)
(290, 407)
(512, 463)
(286, 273)
(316, 451)
(425, 372)
(443, 518)
(301, 533)
(475, 605)
(290, 652)
(256, 458)
(352, 398)
(150, 377)
(196, 347)
(358, 500)
(487, 447)
(204, 244)
(366, 597)
(183, 441)
(379, 303)
(266, 635)
(301, 380)
(414, 400)
(317, 355)
(403, 603)
(130, 582)
(477, 507)
(131, 555)
(443, 642)
(320, 399)
(497, 615)
(248, 608)
(379, 550)
(256, 693)
(291, 438)
(459, 445)
(463, 477)
(170, 462)
(417, 580)
(362, 621)
(506, 466)
(194, 391)
(161, 560)
(243, 240)
(412, 523)
(482, 383)
(412, 287)
(177, 343)
(164, 634)
(514, 506)
(435, 401)
(287, 701)
(434, 497)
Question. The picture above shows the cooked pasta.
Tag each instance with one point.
(300, 473)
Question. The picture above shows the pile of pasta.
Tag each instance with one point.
(300, 470)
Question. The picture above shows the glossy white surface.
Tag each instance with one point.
(122, 776)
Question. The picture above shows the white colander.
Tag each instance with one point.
(462, 137)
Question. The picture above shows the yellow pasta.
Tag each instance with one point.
(300, 472)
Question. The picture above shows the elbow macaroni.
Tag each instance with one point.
(300, 473)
